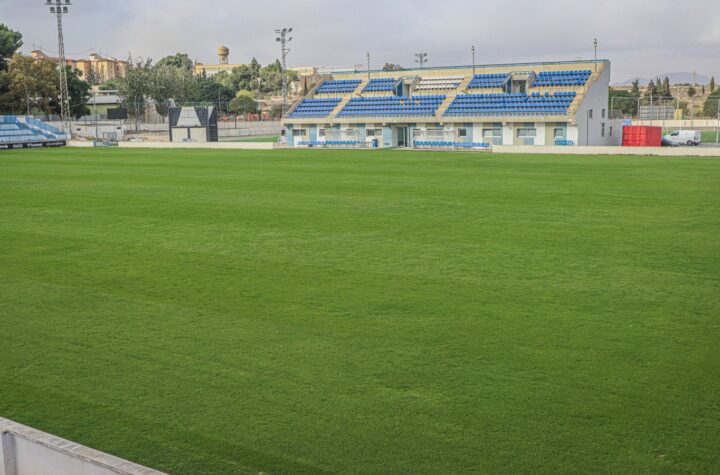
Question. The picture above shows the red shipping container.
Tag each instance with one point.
(642, 136)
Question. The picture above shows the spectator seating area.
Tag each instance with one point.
(394, 106)
(562, 78)
(309, 108)
(380, 85)
(330, 143)
(483, 81)
(440, 83)
(344, 86)
(517, 104)
(451, 144)
(18, 130)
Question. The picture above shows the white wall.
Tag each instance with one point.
(26, 451)
(596, 98)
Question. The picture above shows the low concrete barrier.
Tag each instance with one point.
(658, 151)
(177, 145)
(27, 451)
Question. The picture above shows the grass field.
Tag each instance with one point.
(364, 312)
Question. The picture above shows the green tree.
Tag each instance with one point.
(712, 84)
(135, 87)
(10, 42)
(170, 83)
(621, 100)
(79, 91)
(712, 104)
(207, 90)
(691, 92)
(244, 103)
(635, 90)
(33, 84)
(392, 67)
(178, 60)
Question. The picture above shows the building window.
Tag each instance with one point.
(526, 132)
(611, 131)
(602, 129)
(492, 132)
(590, 114)
(559, 133)
(321, 133)
(298, 132)
(370, 132)
(603, 113)
(462, 132)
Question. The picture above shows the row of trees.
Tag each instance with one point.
(28, 86)
(172, 78)
(659, 91)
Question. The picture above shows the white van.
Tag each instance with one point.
(683, 137)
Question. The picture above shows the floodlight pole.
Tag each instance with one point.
(473, 55)
(595, 45)
(421, 59)
(60, 8)
(284, 40)
(367, 56)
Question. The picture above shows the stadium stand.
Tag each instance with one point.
(440, 83)
(315, 108)
(511, 104)
(562, 78)
(561, 103)
(481, 81)
(24, 131)
(380, 85)
(338, 87)
(392, 106)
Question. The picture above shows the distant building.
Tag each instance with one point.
(94, 70)
(210, 70)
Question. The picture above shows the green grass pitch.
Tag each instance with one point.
(364, 312)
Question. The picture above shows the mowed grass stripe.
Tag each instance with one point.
(364, 312)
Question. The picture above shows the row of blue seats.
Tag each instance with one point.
(314, 108)
(339, 86)
(380, 84)
(446, 144)
(328, 143)
(514, 112)
(564, 143)
(488, 80)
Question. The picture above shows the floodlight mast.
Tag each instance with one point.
(284, 39)
(421, 59)
(60, 8)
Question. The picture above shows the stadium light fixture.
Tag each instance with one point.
(60, 8)
(421, 59)
(283, 39)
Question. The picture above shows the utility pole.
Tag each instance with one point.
(283, 39)
(421, 59)
(60, 8)
(97, 134)
(472, 50)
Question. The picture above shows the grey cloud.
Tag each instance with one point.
(641, 37)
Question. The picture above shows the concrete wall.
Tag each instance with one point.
(26, 451)
(596, 99)
(196, 145)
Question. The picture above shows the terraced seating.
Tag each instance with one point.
(440, 83)
(518, 104)
(394, 106)
(484, 81)
(344, 86)
(380, 85)
(315, 108)
(562, 78)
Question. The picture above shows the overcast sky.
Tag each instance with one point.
(640, 37)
